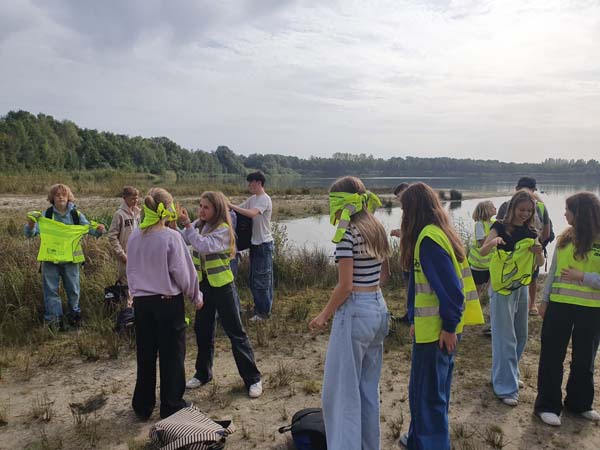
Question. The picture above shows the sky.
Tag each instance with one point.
(512, 80)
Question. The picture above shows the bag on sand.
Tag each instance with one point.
(115, 295)
(308, 429)
(190, 429)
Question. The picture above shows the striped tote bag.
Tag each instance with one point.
(190, 429)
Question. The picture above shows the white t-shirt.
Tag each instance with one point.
(261, 224)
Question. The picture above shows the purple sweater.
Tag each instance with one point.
(158, 263)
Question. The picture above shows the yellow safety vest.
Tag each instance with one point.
(215, 265)
(511, 270)
(59, 242)
(475, 259)
(572, 292)
(428, 323)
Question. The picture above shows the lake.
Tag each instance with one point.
(316, 231)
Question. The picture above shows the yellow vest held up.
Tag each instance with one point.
(511, 270)
(59, 242)
(214, 265)
(428, 323)
(476, 260)
(564, 291)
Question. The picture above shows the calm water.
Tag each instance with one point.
(317, 231)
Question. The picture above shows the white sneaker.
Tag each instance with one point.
(256, 318)
(255, 390)
(550, 419)
(592, 415)
(193, 383)
(521, 384)
(510, 401)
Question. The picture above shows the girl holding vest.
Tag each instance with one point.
(517, 255)
(480, 265)
(213, 241)
(353, 362)
(571, 311)
(440, 288)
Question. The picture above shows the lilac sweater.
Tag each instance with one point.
(158, 263)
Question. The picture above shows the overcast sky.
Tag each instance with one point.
(508, 79)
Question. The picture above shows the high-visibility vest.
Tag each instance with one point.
(428, 323)
(476, 260)
(511, 270)
(564, 291)
(216, 266)
(59, 242)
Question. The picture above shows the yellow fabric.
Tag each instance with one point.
(476, 260)
(349, 204)
(153, 217)
(565, 291)
(215, 265)
(511, 270)
(428, 323)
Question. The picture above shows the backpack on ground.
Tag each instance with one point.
(190, 429)
(243, 232)
(115, 295)
(308, 429)
(125, 320)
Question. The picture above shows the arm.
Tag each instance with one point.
(491, 242)
(214, 242)
(31, 229)
(182, 270)
(548, 286)
(96, 232)
(251, 213)
(538, 251)
(340, 293)
(114, 231)
(385, 271)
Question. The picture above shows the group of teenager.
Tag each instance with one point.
(445, 282)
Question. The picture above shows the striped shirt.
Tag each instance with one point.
(366, 269)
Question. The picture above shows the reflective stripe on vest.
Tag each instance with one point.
(428, 323)
(60, 242)
(511, 270)
(215, 265)
(566, 291)
(475, 259)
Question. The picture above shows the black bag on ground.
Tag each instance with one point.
(243, 232)
(308, 429)
(125, 320)
(116, 294)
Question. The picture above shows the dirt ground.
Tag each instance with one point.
(36, 390)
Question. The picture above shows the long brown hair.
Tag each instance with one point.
(372, 231)
(421, 207)
(218, 200)
(524, 195)
(585, 208)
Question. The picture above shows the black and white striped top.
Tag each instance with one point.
(366, 269)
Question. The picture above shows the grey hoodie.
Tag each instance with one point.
(124, 221)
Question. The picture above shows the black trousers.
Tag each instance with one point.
(562, 322)
(160, 329)
(223, 301)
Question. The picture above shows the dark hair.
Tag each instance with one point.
(400, 188)
(585, 230)
(526, 182)
(256, 176)
(421, 207)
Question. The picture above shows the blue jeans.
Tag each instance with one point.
(429, 397)
(261, 278)
(508, 316)
(51, 275)
(352, 371)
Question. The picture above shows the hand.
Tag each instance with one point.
(30, 224)
(498, 241)
(395, 233)
(199, 305)
(123, 258)
(319, 322)
(183, 215)
(572, 274)
(543, 306)
(101, 228)
(448, 340)
(412, 330)
(537, 249)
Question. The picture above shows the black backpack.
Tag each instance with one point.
(74, 214)
(243, 232)
(308, 429)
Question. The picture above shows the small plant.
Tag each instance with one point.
(4, 414)
(494, 437)
(88, 347)
(395, 424)
(42, 408)
(50, 356)
(299, 311)
(462, 431)
(45, 443)
(283, 376)
(284, 413)
(311, 387)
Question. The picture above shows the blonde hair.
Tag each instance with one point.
(153, 198)
(129, 191)
(521, 196)
(374, 236)
(63, 189)
(219, 202)
(483, 211)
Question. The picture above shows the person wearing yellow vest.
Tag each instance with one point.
(516, 254)
(213, 246)
(442, 298)
(571, 311)
(61, 229)
(350, 394)
(480, 265)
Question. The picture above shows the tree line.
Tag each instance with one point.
(29, 142)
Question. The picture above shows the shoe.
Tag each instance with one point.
(487, 331)
(521, 384)
(550, 419)
(256, 318)
(592, 415)
(403, 441)
(193, 383)
(510, 401)
(255, 390)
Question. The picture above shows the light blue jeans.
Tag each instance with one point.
(508, 315)
(51, 275)
(352, 371)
